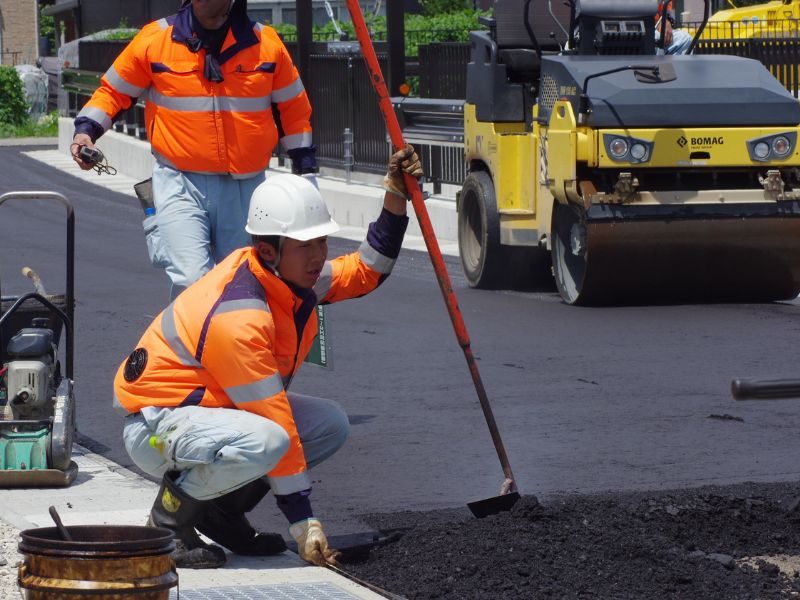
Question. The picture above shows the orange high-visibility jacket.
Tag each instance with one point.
(660, 11)
(231, 339)
(198, 125)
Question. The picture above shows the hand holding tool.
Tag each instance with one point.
(312, 545)
(405, 160)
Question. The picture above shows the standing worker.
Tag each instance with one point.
(221, 90)
(205, 393)
(676, 41)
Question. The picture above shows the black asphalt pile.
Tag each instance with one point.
(728, 542)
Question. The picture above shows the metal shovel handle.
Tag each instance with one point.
(765, 389)
(418, 202)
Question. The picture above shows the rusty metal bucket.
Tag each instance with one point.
(100, 562)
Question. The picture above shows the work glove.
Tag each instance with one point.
(312, 545)
(405, 160)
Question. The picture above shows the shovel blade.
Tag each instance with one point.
(492, 506)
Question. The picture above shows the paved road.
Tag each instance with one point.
(586, 399)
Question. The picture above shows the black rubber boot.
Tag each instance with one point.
(224, 522)
(179, 512)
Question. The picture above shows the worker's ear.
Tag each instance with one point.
(266, 251)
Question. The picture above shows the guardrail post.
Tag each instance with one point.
(347, 139)
(436, 167)
(351, 118)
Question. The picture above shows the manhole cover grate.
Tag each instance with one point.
(284, 591)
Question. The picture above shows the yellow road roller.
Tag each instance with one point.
(643, 177)
(777, 18)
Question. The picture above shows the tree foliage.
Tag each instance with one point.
(419, 29)
(13, 106)
(439, 7)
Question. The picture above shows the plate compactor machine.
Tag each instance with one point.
(645, 177)
(37, 402)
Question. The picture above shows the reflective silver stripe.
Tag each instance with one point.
(374, 259)
(118, 408)
(162, 23)
(296, 140)
(287, 93)
(209, 103)
(259, 27)
(258, 390)
(244, 304)
(187, 103)
(281, 486)
(323, 285)
(173, 339)
(116, 81)
(95, 114)
(244, 104)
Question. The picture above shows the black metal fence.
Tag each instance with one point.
(343, 100)
(443, 70)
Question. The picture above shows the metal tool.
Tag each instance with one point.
(37, 281)
(57, 520)
(765, 389)
(508, 491)
(95, 158)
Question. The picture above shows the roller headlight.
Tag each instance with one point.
(618, 147)
(761, 150)
(638, 151)
(781, 145)
(621, 148)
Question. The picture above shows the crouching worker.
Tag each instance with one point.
(205, 393)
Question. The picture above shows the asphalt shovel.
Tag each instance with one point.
(508, 491)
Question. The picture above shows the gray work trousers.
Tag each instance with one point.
(219, 450)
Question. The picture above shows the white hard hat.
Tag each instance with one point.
(289, 206)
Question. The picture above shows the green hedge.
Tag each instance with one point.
(13, 106)
(419, 29)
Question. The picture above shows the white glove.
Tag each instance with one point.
(312, 178)
(312, 545)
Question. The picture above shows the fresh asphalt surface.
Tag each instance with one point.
(586, 399)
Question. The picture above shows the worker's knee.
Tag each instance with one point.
(325, 433)
(270, 443)
(338, 427)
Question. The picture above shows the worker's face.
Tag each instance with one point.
(301, 262)
(210, 10)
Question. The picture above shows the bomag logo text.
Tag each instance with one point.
(707, 141)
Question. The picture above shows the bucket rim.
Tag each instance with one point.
(42, 540)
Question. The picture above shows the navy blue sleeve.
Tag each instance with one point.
(296, 507)
(88, 126)
(386, 233)
(304, 160)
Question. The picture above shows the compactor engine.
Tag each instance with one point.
(31, 373)
(644, 176)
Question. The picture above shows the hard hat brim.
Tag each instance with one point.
(303, 235)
